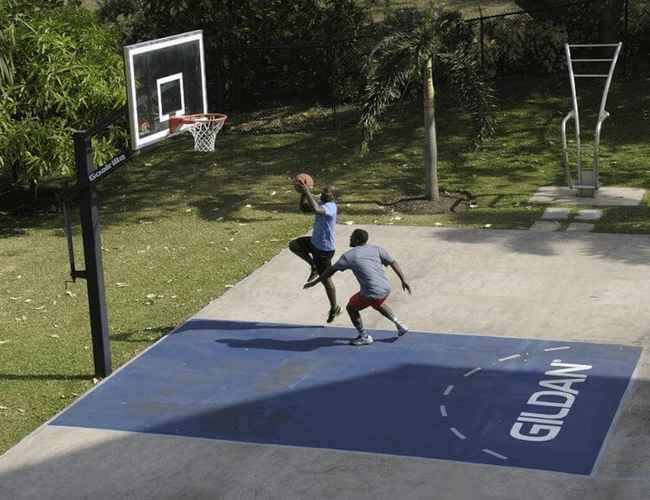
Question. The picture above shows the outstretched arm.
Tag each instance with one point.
(398, 270)
(326, 274)
(309, 198)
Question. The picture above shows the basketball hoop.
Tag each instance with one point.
(204, 127)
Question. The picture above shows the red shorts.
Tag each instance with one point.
(359, 302)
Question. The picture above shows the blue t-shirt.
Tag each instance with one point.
(324, 234)
(367, 263)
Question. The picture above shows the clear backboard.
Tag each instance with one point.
(164, 78)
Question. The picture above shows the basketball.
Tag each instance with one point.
(304, 179)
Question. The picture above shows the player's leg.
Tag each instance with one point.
(388, 313)
(323, 260)
(302, 248)
(330, 290)
(356, 304)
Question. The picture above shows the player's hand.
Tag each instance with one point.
(301, 187)
(406, 287)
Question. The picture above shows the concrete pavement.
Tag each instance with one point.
(554, 286)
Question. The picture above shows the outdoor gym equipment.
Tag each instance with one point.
(586, 182)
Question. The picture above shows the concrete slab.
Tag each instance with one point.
(555, 213)
(545, 226)
(605, 196)
(562, 287)
(580, 227)
(589, 215)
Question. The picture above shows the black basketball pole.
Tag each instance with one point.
(94, 272)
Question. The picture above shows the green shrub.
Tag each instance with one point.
(259, 50)
(70, 75)
(522, 45)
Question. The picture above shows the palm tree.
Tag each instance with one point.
(417, 45)
(7, 42)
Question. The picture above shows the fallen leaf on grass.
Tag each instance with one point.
(438, 224)
(3, 408)
(4, 342)
(55, 336)
(487, 225)
(121, 285)
(248, 206)
(348, 222)
(229, 286)
(69, 293)
(273, 193)
(151, 295)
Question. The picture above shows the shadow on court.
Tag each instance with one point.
(427, 396)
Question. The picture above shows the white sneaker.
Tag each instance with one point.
(364, 339)
(402, 329)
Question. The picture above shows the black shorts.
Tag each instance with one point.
(322, 258)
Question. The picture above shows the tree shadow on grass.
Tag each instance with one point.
(44, 376)
(142, 334)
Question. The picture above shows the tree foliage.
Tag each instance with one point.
(394, 67)
(259, 50)
(70, 74)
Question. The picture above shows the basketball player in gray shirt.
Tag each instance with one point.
(367, 263)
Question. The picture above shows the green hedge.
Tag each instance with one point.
(67, 73)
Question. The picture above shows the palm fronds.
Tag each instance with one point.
(472, 91)
(391, 67)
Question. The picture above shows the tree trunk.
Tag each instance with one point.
(430, 143)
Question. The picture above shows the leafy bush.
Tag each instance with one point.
(521, 44)
(70, 75)
(259, 50)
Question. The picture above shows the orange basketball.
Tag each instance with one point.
(304, 179)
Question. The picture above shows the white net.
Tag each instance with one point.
(204, 131)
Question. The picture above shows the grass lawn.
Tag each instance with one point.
(179, 227)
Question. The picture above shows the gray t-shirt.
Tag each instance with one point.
(366, 262)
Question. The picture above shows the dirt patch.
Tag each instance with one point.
(450, 202)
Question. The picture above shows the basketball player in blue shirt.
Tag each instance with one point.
(367, 263)
(318, 249)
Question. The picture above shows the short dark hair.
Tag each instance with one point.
(329, 192)
(360, 236)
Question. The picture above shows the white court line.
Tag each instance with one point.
(457, 433)
(514, 356)
(564, 348)
(494, 454)
(472, 372)
(448, 390)
(443, 410)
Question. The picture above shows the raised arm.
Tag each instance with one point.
(326, 274)
(398, 270)
(313, 204)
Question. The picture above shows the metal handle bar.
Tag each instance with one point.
(565, 149)
(601, 119)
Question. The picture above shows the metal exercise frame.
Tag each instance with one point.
(587, 181)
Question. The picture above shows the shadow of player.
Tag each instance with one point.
(301, 345)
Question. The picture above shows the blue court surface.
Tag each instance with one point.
(503, 401)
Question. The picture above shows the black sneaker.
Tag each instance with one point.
(313, 275)
(333, 313)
